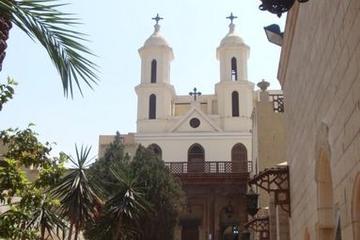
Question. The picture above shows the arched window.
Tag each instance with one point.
(356, 208)
(196, 158)
(156, 149)
(239, 158)
(152, 106)
(239, 153)
(153, 71)
(233, 69)
(235, 103)
(325, 195)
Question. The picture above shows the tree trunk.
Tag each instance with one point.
(5, 26)
(70, 231)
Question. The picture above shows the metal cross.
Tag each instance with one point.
(231, 17)
(195, 93)
(157, 18)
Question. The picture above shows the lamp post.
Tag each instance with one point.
(252, 202)
(273, 34)
(278, 7)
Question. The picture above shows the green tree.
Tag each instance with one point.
(162, 190)
(157, 187)
(79, 202)
(42, 20)
(121, 215)
(24, 192)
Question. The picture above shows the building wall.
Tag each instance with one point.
(320, 75)
(217, 146)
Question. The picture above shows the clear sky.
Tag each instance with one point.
(117, 29)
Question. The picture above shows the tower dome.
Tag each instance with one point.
(231, 38)
(156, 40)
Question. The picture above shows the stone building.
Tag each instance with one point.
(319, 72)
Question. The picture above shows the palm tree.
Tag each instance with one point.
(79, 202)
(46, 219)
(42, 21)
(120, 216)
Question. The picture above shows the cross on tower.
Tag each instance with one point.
(157, 18)
(231, 17)
(195, 93)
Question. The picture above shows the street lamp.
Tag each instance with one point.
(273, 34)
(278, 7)
(252, 202)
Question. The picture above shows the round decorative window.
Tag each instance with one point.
(194, 122)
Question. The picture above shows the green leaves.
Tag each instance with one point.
(6, 91)
(53, 29)
(30, 210)
(79, 203)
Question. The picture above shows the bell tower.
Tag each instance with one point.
(155, 93)
(234, 91)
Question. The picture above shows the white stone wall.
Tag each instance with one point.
(321, 85)
(217, 146)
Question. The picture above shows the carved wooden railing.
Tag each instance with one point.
(209, 167)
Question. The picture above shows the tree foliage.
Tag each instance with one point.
(162, 190)
(6, 92)
(25, 193)
(42, 20)
(147, 183)
(79, 203)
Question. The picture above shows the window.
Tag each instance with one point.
(233, 69)
(196, 158)
(153, 71)
(156, 149)
(152, 106)
(238, 153)
(235, 103)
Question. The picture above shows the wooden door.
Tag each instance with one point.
(190, 233)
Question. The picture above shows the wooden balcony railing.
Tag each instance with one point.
(278, 102)
(209, 167)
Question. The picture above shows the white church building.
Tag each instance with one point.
(219, 123)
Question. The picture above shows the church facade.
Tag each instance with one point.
(205, 140)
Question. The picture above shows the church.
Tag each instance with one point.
(205, 140)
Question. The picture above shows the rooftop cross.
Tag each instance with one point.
(195, 93)
(231, 17)
(157, 18)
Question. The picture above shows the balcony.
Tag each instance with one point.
(208, 167)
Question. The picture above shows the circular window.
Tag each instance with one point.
(194, 122)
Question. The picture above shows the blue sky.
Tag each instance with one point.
(117, 29)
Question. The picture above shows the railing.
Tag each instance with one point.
(278, 102)
(209, 167)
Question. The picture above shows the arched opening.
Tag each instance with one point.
(306, 235)
(156, 149)
(356, 208)
(234, 74)
(152, 106)
(338, 230)
(239, 158)
(196, 158)
(235, 103)
(325, 197)
(153, 71)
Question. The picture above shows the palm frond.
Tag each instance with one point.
(42, 21)
(79, 202)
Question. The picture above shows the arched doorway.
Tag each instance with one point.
(196, 158)
(239, 158)
(325, 204)
(356, 208)
(306, 235)
(156, 149)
